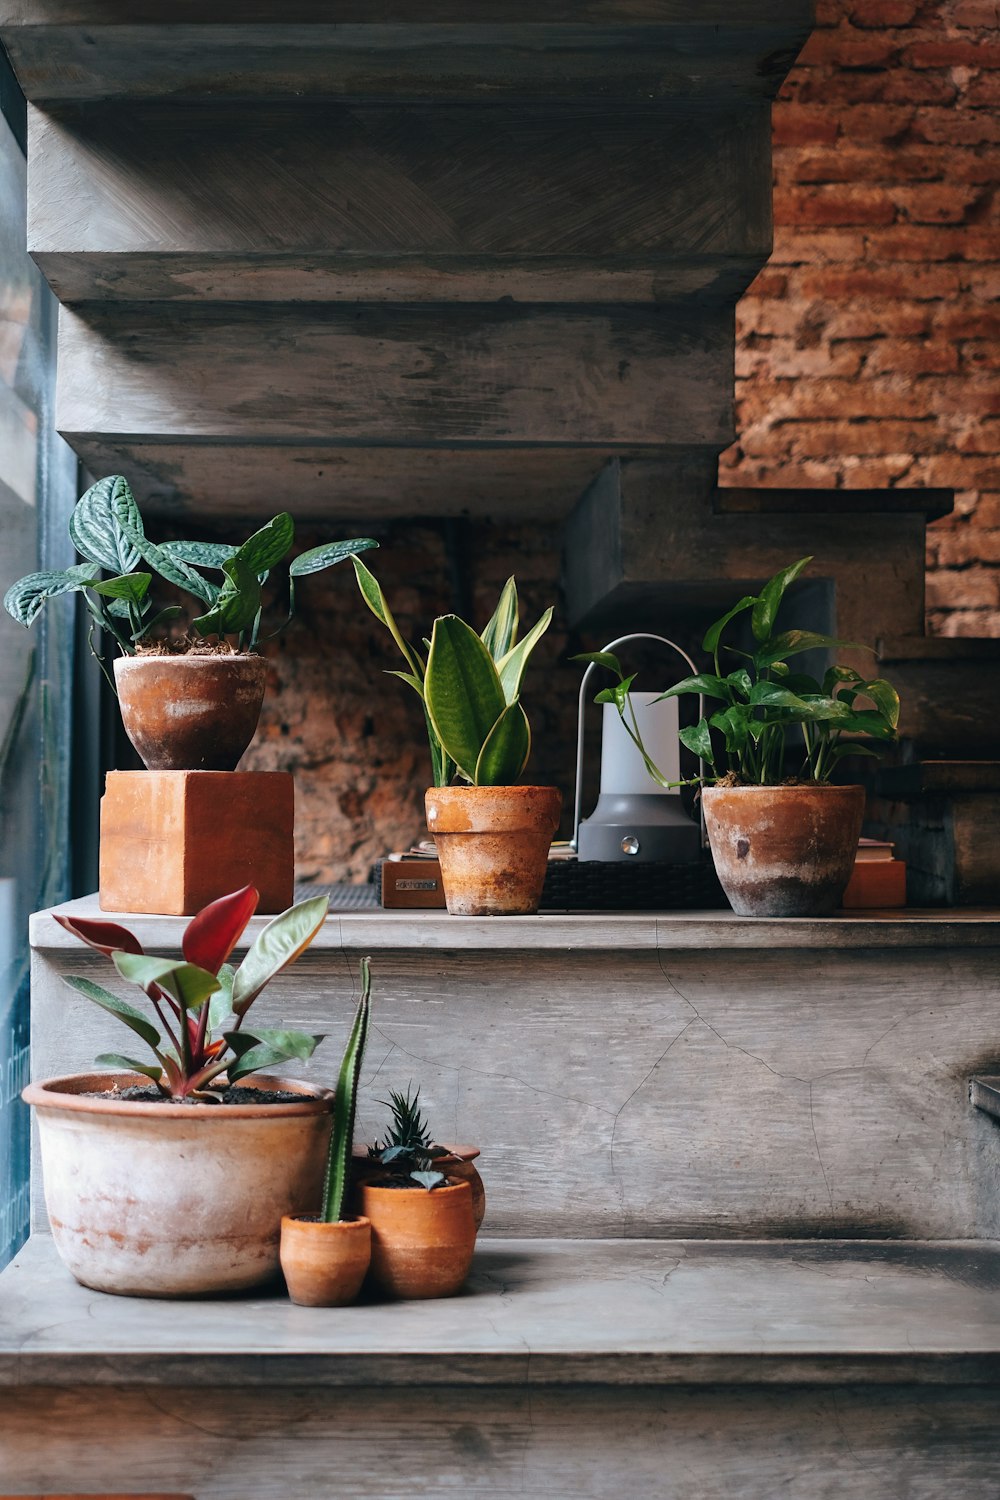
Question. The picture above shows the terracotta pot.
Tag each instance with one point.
(459, 1163)
(493, 844)
(784, 851)
(422, 1242)
(190, 713)
(324, 1264)
(175, 1200)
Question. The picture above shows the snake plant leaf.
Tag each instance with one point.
(701, 682)
(170, 567)
(188, 984)
(791, 642)
(238, 601)
(129, 1064)
(462, 691)
(265, 549)
(338, 1162)
(279, 945)
(714, 632)
(697, 737)
(770, 597)
(410, 679)
(25, 599)
(330, 553)
(130, 587)
(884, 697)
(201, 554)
(373, 596)
(94, 528)
(132, 1018)
(511, 666)
(505, 753)
(501, 632)
(211, 936)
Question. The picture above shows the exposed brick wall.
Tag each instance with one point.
(869, 347)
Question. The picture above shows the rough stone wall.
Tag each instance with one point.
(869, 347)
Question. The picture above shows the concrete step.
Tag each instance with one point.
(553, 203)
(942, 816)
(702, 1074)
(691, 1369)
(699, 55)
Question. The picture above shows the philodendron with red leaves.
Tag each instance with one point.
(200, 1000)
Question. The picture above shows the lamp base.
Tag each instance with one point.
(639, 829)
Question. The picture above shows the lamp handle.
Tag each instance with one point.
(623, 640)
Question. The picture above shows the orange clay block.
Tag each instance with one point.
(171, 841)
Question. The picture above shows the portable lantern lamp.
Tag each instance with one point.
(634, 818)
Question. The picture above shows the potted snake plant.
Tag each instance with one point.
(784, 836)
(492, 833)
(189, 680)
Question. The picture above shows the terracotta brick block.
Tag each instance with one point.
(877, 122)
(953, 52)
(936, 203)
(891, 356)
(832, 205)
(844, 48)
(955, 127)
(878, 13)
(171, 841)
(793, 126)
(974, 13)
(917, 243)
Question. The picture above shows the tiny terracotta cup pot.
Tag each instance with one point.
(190, 713)
(459, 1164)
(323, 1264)
(493, 844)
(784, 851)
(422, 1242)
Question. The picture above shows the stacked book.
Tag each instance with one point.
(879, 879)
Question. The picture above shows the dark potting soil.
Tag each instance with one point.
(138, 1093)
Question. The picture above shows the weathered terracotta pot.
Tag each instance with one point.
(493, 844)
(422, 1242)
(323, 1264)
(175, 1200)
(190, 713)
(784, 851)
(459, 1163)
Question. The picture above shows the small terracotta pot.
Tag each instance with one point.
(784, 851)
(324, 1264)
(459, 1163)
(175, 1200)
(422, 1242)
(493, 844)
(190, 713)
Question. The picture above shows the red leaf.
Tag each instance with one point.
(106, 937)
(212, 935)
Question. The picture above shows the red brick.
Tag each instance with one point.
(969, 545)
(843, 48)
(935, 203)
(853, 164)
(874, 472)
(980, 354)
(985, 285)
(794, 126)
(827, 399)
(953, 53)
(838, 438)
(987, 509)
(975, 586)
(860, 321)
(815, 247)
(983, 90)
(877, 122)
(782, 359)
(768, 283)
(832, 206)
(953, 471)
(967, 323)
(974, 13)
(956, 127)
(841, 283)
(981, 437)
(736, 468)
(911, 357)
(965, 622)
(917, 243)
(878, 13)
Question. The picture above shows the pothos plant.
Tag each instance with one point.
(746, 739)
(469, 685)
(108, 532)
(408, 1154)
(200, 1001)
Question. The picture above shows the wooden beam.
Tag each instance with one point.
(550, 204)
(424, 377)
(640, 53)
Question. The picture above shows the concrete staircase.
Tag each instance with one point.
(741, 1236)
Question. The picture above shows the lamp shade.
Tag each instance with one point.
(623, 771)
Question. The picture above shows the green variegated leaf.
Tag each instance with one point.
(605, 659)
(280, 944)
(734, 723)
(237, 604)
(265, 549)
(131, 588)
(505, 753)
(884, 697)
(697, 737)
(25, 599)
(511, 666)
(772, 695)
(201, 554)
(618, 695)
(771, 595)
(792, 642)
(171, 612)
(336, 1185)
(501, 632)
(462, 691)
(714, 632)
(95, 530)
(170, 567)
(188, 984)
(330, 553)
(702, 682)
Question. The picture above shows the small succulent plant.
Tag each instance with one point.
(408, 1151)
